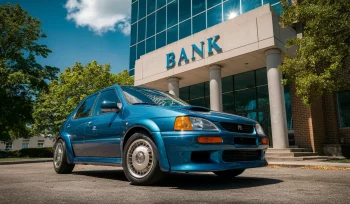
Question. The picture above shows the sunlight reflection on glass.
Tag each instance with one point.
(232, 15)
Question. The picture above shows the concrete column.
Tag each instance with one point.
(215, 88)
(173, 86)
(276, 95)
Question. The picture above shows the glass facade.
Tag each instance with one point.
(157, 23)
(344, 109)
(244, 94)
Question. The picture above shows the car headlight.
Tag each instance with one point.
(259, 130)
(194, 123)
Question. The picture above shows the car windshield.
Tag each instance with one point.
(146, 96)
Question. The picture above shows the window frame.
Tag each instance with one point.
(93, 106)
(94, 113)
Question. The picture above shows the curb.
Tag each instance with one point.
(25, 161)
(337, 165)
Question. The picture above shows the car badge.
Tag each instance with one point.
(240, 127)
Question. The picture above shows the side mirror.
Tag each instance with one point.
(109, 106)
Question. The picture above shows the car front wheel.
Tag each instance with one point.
(229, 173)
(60, 162)
(141, 161)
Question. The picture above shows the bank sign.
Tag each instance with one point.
(212, 43)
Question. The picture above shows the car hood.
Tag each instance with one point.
(215, 116)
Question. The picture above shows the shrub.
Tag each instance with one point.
(3, 154)
(13, 153)
(37, 152)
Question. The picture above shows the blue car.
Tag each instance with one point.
(150, 133)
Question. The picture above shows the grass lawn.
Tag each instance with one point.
(338, 160)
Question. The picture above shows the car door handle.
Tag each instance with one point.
(89, 123)
(68, 126)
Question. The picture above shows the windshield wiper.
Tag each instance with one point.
(145, 103)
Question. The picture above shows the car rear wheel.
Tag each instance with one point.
(229, 173)
(60, 162)
(141, 160)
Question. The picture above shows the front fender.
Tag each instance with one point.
(154, 131)
(69, 150)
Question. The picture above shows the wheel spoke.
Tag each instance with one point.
(140, 158)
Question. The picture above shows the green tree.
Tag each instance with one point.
(322, 59)
(21, 77)
(72, 86)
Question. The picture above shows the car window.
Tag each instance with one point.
(85, 108)
(140, 95)
(109, 95)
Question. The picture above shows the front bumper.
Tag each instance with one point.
(180, 147)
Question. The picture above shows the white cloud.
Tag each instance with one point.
(100, 16)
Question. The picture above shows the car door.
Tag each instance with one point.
(76, 125)
(102, 133)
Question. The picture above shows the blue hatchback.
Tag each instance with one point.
(150, 132)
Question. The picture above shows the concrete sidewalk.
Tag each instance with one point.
(316, 162)
(25, 161)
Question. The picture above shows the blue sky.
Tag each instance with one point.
(81, 31)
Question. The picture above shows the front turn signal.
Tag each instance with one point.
(264, 141)
(183, 123)
(209, 140)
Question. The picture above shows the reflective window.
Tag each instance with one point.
(248, 5)
(198, 102)
(278, 8)
(161, 20)
(85, 108)
(344, 108)
(132, 56)
(132, 72)
(199, 23)
(227, 84)
(25, 145)
(214, 16)
(245, 100)
(150, 44)
(198, 6)
(151, 6)
(185, 9)
(231, 9)
(228, 102)
(288, 105)
(161, 3)
(207, 88)
(244, 80)
(142, 9)
(141, 34)
(172, 35)
(161, 40)
(263, 96)
(261, 77)
(211, 3)
(185, 93)
(151, 25)
(140, 49)
(172, 17)
(134, 12)
(197, 91)
(185, 29)
(271, 2)
(133, 34)
(109, 95)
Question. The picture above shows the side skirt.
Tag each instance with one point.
(98, 161)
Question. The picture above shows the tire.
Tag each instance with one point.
(60, 162)
(141, 160)
(229, 173)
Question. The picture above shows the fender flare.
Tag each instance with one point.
(69, 149)
(154, 131)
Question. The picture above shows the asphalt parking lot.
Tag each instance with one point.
(38, 183)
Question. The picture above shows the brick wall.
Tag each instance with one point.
(331, 118)
(309, 129)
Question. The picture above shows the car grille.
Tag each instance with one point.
(241, 155)
(234, 127)
(245, 141)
